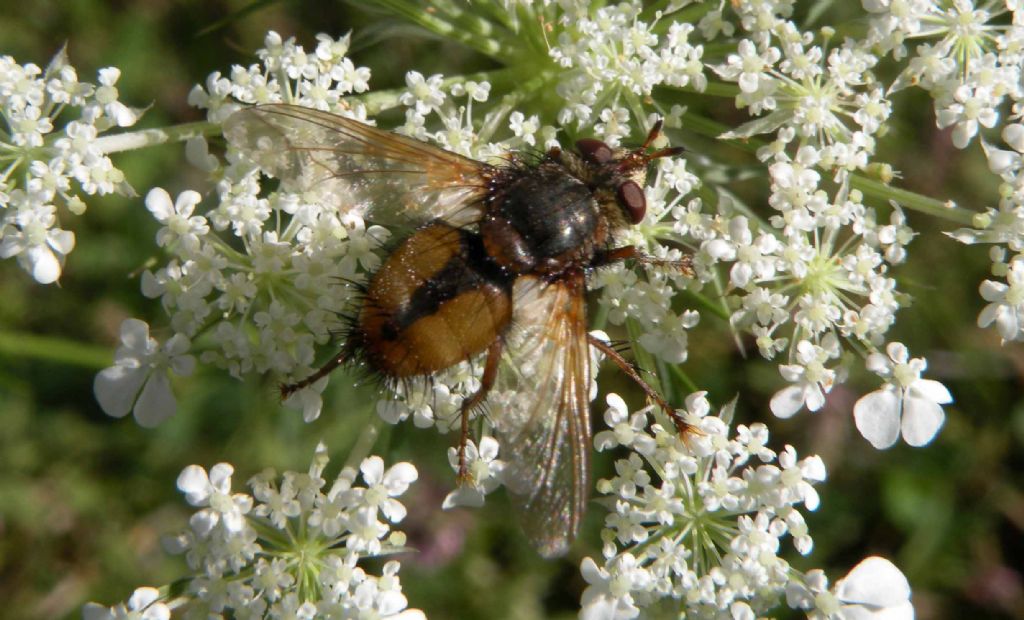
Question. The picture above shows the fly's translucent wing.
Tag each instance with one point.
(542, 407)
(397, 179)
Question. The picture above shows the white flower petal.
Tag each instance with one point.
(45, 266)
(156, 402)
(877, 416)
(195, 484)
(157, 612)
(135, 335)
(373, 470)
(158, 201)
(204, 521)
(465, 495)
(932, 390)
(814, 396)
(787, 401)
(220, 477)
(186, 202)
(988, 314)
(1013, 134)
(142, 597)
(61, 240)
(488, 448)
(399, 477)
(922, 419)
(875, 581)
(116, 387)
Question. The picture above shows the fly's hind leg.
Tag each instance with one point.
(470, 402)
(682, 425)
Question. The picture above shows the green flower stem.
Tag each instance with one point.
(443, 28)
(718, 308)
(470, 21)
(677, 373)
(911, 200)
(131, 140)
(715, 89)
(51, 349)
(363, 446)
(600, 320)
(713, 129)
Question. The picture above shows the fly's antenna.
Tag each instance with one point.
(671, 151)
(640, 157)
(653, 134)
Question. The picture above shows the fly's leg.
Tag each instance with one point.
(486, 383)
(629, 252)
(682, 425)
(287, 389)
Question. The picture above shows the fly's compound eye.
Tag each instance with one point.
(632, 200)
(594, 151)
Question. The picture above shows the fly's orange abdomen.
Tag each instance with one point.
(437, 300)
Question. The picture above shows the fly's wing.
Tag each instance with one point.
(397, 179)
(541, 411)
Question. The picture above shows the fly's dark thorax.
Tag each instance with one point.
(541, 220)
(436, 300)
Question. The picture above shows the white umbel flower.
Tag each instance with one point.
(907, 404)
(138, 381)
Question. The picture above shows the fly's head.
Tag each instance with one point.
(618, 176)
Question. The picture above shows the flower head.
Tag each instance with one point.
(46, 166)
(699, 520)
(295, 544)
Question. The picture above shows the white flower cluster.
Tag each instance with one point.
(828, 100)
(698, 519)
(966, 54)
(44, 166)
(291, 549)
(811, 278)
(1004, 227)
(319, 79)
(612, 60)
(260, 274)
(429, 101)
(701, 520)
(969, 57)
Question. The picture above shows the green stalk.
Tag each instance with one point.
(131, 140)
(911, 200)
(443, 28)
(53, 349)
(718, 309)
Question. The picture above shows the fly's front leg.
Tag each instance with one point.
(630, 252)
(682, 425)
(486, 383)
(287, 389)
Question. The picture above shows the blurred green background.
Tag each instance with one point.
(84, 499)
